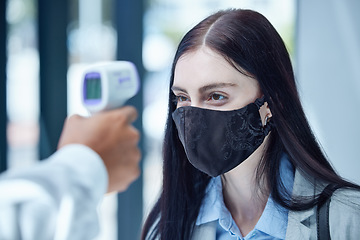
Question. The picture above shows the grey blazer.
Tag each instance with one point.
(344, 215)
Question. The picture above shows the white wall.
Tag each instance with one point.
(328, 71)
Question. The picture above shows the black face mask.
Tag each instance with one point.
(217, 141)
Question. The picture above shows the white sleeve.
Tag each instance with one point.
(56, 199)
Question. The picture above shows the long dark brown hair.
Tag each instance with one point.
(249, 42)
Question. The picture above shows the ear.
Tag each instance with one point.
(268, 111)
(265, 113)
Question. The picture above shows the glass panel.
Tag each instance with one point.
(22, 83)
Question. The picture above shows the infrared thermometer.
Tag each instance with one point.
(109, 85)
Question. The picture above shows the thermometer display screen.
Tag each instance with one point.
(92, 86)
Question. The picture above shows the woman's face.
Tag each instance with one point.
(205, 79)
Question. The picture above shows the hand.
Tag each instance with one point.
(112, 136)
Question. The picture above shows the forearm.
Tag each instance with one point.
(65, 188)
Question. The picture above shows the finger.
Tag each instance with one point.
(134, 134)
(74, 118)
(129, 112)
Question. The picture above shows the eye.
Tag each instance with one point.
(216, 97)
(181, 99)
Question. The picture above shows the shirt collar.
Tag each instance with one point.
(213, 207)
(213, 204)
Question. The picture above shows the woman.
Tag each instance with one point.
(239, 156)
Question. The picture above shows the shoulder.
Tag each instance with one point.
(346, 199)
(344, 214)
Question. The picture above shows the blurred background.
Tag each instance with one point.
(45, 45)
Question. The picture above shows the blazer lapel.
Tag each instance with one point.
(302, 224)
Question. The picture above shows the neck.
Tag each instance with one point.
(242, 196)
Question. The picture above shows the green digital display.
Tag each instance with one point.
(93, 87)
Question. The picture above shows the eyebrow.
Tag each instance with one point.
(174, 88)
(206, 87)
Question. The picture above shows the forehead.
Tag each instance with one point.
(205, 66)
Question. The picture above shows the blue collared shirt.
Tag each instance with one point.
(271, 225)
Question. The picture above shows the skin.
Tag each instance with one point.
(205, 79)
(112, 136)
